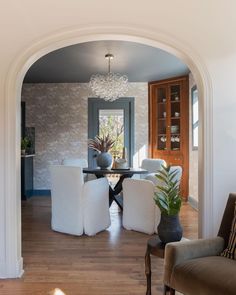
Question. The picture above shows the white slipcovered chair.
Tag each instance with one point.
(78, 207)
(151, 165)
(140, 213)
(78, 162)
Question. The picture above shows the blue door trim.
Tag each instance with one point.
(125, 103)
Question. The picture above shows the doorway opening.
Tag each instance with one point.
(14, 82)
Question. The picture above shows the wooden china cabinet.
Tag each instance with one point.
(169, 124)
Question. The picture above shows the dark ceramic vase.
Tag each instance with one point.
(104, 160)
(170, 229)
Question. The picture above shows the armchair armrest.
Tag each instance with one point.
(178, 252)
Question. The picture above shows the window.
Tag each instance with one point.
(111, 121)
(195, 119)
(115, 118)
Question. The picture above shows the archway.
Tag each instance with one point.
(13, 266)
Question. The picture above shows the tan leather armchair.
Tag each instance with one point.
(196, 267)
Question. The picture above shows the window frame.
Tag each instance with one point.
(195, 125)
(126, 103)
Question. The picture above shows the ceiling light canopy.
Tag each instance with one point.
(110, 86)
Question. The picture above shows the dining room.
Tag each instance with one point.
(66, 112)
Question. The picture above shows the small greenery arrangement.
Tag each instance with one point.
(25, 143)
(101, 143)
(168, 198)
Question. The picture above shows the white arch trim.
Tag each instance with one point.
(12, 262)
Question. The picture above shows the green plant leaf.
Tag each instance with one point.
(167, 196)
(162, 178)
(172, 175)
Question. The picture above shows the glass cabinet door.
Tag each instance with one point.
(175, 117)
(161, 95)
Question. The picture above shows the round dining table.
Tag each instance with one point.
(115, 192)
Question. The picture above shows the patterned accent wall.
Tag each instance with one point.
(59, 113)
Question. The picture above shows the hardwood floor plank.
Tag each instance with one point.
(112, 262)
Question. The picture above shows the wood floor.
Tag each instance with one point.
(112, 262)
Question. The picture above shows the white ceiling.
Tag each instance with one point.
(78, 62)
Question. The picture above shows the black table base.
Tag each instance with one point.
(115, 193)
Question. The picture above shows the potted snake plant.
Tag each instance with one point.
(167, 197)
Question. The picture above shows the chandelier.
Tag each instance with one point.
(110, 86)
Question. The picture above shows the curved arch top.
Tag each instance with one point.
(12, 243)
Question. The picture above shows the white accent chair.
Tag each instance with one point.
(78, 162)
(139, 210)
(78, 207)
(151, 165)
(140, 213)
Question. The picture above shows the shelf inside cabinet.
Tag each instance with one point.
(175, 101)
(175, 118)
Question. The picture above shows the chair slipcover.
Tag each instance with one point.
(140, 212)
(78, 207)
(79, 162)
(152, 165)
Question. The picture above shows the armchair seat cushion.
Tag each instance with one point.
(213, 275)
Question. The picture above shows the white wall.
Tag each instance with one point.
(59, 113)
(193, 154)
(224, 132)
(202, 32)
(2, 182)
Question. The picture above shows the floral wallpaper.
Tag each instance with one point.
(59, 114)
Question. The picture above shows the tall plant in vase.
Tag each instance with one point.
(167, 197)
(102, 144)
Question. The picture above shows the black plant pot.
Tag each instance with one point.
(170, 229)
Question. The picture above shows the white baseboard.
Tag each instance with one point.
(193, 202)
(16, 272)
(20, 270)
(2, 269)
